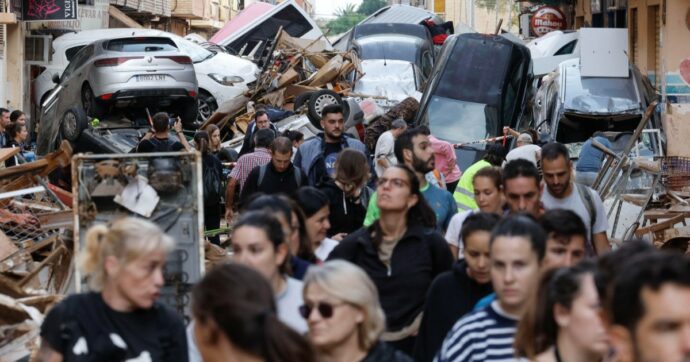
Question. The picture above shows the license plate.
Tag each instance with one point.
(150, 77)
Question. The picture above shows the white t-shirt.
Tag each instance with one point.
(527, 152)
(384, 149)
(455, 227)
(288, 303)
(327, 245)
(576, 204)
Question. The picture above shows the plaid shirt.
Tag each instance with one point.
(248, 162)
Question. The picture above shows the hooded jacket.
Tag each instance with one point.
(418, 257)
(452, 295)
(346, 214)
(310, 156)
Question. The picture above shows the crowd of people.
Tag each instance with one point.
(341, 255)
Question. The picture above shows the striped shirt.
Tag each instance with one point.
(246, 163)
(485, 335)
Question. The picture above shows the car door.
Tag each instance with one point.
(72, 79)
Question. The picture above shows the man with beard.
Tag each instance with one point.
(562, 193)
(413, 149)
(316, 156)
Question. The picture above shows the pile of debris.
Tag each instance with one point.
(36, 248)
(647, 198)
(298, 76)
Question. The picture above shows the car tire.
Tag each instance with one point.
(300, 100)
(317, 101)
(73, 122)
(206, 105)
(91, 105)
(188, 112)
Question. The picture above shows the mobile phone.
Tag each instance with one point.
(172, 121)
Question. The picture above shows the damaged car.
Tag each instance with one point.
(396, 61)
(480, 84)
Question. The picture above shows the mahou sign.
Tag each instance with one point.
(547, 19)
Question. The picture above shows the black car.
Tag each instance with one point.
(480, 84)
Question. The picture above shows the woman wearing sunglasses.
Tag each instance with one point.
(348, 193)
(345, 319)
(401, 252)
(258, 241)
(235, 319)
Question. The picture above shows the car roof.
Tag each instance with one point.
(366, 30)
(89, 36)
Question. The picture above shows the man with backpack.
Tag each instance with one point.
(156, 139)
(278, 176)
(562, 193)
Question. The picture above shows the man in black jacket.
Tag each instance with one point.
(455, 292)
(261, 121)
(278, 176)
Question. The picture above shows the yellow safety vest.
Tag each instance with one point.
(464, 192)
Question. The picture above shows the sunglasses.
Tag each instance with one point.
(397, 182)
(325, 309)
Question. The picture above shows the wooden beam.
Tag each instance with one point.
(122, 17)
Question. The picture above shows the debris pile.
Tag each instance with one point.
(298, 75)
(36, 248)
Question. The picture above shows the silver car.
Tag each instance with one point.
(135, 71)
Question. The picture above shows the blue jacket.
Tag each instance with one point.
(310, 159)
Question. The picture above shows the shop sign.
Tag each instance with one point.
(547, 19)
(49, 10)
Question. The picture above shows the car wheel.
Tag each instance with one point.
(318, 101)
(92, 106)
(300, 100)
(206, 104)
(73, 122)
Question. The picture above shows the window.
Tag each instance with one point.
(37, 49)
(71, 52)
(135, 45)
(567, 49)
(79, 60)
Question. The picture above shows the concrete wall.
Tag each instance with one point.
(14, 94)
(485, 20)
(673, 59)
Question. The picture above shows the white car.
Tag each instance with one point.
(221, 76)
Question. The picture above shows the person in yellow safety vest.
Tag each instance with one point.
(464, 193)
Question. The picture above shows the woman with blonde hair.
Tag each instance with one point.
(119, 319)
(341, 306)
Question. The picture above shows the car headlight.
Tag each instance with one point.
(226, 79)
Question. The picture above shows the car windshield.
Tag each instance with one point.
(599, 95)
(389, 47)
(393, 79)
(195, 51)
(144, 44)
(460, 121)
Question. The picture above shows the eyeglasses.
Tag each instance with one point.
(397, 182)
(325, 309)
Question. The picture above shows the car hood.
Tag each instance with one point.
(393, 79)
(226, 64)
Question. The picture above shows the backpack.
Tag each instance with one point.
(586, 198)
(262, 174)
(212, 185)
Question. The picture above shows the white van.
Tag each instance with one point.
(248, 33)
(221, 76)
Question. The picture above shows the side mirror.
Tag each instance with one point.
(56, 78)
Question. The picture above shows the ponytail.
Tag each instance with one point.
(202, 142)
(240, 302)
(126, 239)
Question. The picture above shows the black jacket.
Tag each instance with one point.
(248, 143)
(382, 352)
(452, 295)
(273, 182)
(420, 255)
(346, 214)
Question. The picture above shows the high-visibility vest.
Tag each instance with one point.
(464, 192)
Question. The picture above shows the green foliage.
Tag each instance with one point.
(368, 7)
(346, 18)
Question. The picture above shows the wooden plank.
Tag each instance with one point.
(56, 220)
(53, 255)
(7, 153)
